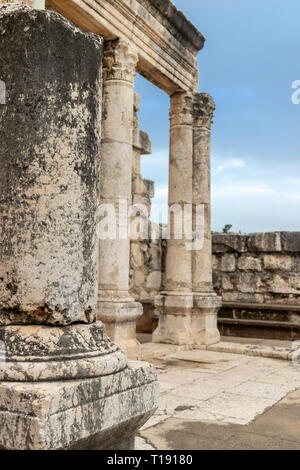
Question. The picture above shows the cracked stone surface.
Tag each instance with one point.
(49, 168)
(218, 390)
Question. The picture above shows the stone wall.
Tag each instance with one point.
(257, 275)
(257, 268)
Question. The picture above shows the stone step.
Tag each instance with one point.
(268, 329)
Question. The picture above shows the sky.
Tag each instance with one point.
(250, 60)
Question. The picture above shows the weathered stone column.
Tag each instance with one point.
(206, 302)
(176, 303)
(63, 383)
(116, 308)
(188, 308)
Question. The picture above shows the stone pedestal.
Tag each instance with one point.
(70, 388)
(116, 308)
(63, 383)
(188, 306)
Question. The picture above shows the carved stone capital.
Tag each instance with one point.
(181, 110)
(204, 107)
(119, 61)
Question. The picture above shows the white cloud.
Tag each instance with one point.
(229, 164)
(161, 192)
(247, 192)
(241, 190)
(236, 163)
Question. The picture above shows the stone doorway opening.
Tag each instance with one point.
(150, 174)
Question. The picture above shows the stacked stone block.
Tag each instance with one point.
(257, 268)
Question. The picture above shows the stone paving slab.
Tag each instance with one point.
(230, 391)
(260, 350)
(276, 429)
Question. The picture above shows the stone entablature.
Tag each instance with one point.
(166, 42)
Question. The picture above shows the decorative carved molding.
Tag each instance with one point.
(166, 41)
(119, 61)
(174, 20)
(181, 110)
(204, 107)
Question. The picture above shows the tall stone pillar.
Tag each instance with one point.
(188, 306)
(176, 303)
(63, 383)
(116, 308)
(206, 302)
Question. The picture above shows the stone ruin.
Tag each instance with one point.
(71, 142)
(258, 276)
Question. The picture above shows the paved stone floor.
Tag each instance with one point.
(219, 400)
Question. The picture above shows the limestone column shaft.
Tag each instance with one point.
(188, 306)
(178, 262)
(175, 303)
(204, 107)
(206, 302)
(116, 308)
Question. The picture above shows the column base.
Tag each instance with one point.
(97, 413)
(120, 318)
(187, 318)
(95, 400)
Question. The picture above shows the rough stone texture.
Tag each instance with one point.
(116, 308)
(96, 413)
(188, 306)
(261, 264)
(34, 353)
(163, 48)
(176, 19)
(265, 283)
(258, 276)
(49, 182)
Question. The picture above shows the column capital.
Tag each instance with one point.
(204, 107)
(119, 61)
(181, 110)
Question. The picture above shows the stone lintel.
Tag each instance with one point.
(167, 43)
(176, 18)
